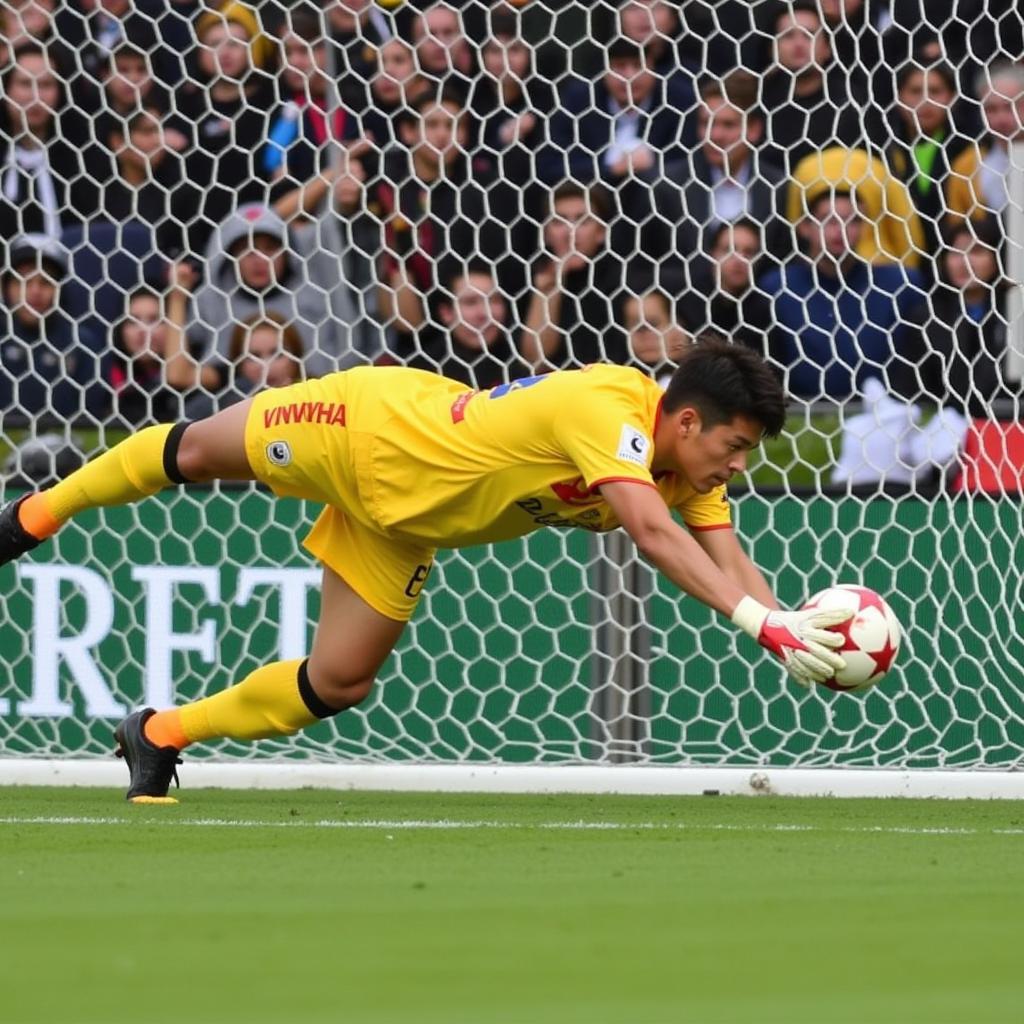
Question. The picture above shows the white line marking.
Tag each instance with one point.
(445, 824)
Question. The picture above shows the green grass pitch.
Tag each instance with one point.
(323, 906)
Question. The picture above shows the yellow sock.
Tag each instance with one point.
(272, 701)
(131, 470)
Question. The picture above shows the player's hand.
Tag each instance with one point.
(802, 640)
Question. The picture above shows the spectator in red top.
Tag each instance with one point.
(297, 147)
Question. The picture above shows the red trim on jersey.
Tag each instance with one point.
(713, 526)
(620, 480)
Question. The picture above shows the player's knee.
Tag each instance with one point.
(339, 689)
(191, 458)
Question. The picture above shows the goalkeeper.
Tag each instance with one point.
(405, 462)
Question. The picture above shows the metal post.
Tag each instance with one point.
(621, 701)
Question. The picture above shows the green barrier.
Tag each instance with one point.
(185, 593)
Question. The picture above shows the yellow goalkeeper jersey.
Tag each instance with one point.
(435, 463)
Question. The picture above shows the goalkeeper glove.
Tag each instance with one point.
(801, 640)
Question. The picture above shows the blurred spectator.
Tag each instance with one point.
(265, 352)
(806, 95)
(511, 101)
(656, 341)
(838, 319)
(297, 147)
(48, 175)
(358, 29)
(950, 364)
(654, 26)
(147, 185)
(43, 370)
(954, 356)
(253, 269)
(442, 48)
(128, 84)
(35, 21)
(724, 179)
(394, 84)
(924, 141)
(892, 228)
(136, 373)
(475, 345)
(627, 125)
(977, 183)
(94, 29)
(722, 297)
(576, 286)
(431, 200)
(227, 106)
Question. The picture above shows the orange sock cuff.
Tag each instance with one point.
(36, 518)
(164, 729)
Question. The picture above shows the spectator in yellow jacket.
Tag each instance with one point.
(894, 232)
(977, 180)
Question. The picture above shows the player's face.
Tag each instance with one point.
(709, 457)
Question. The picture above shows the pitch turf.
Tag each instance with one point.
(365, 907)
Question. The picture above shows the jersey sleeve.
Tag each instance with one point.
(604, 436)
(709, 511)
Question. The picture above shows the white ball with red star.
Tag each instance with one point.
(871, 637)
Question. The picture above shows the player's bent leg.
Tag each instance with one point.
(147, 462)
(352, 641)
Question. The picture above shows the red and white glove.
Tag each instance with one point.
(802, 640)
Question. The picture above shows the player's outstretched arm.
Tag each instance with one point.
(802, 640)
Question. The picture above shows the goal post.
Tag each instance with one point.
(560, 661)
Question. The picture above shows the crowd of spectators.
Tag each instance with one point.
(493, 189)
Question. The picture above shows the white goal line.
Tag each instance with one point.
(446, 825)
(583, 779)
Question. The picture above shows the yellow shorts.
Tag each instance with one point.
(305, 455)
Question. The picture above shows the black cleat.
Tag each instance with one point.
(150, 768)
(15, 540)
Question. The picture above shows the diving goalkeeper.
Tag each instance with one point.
(406, 462)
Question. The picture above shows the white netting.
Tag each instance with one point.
(230, 197)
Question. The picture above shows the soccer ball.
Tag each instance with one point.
(871, 636)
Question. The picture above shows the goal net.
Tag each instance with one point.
(198, 201)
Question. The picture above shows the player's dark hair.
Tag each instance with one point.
(722, 380)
